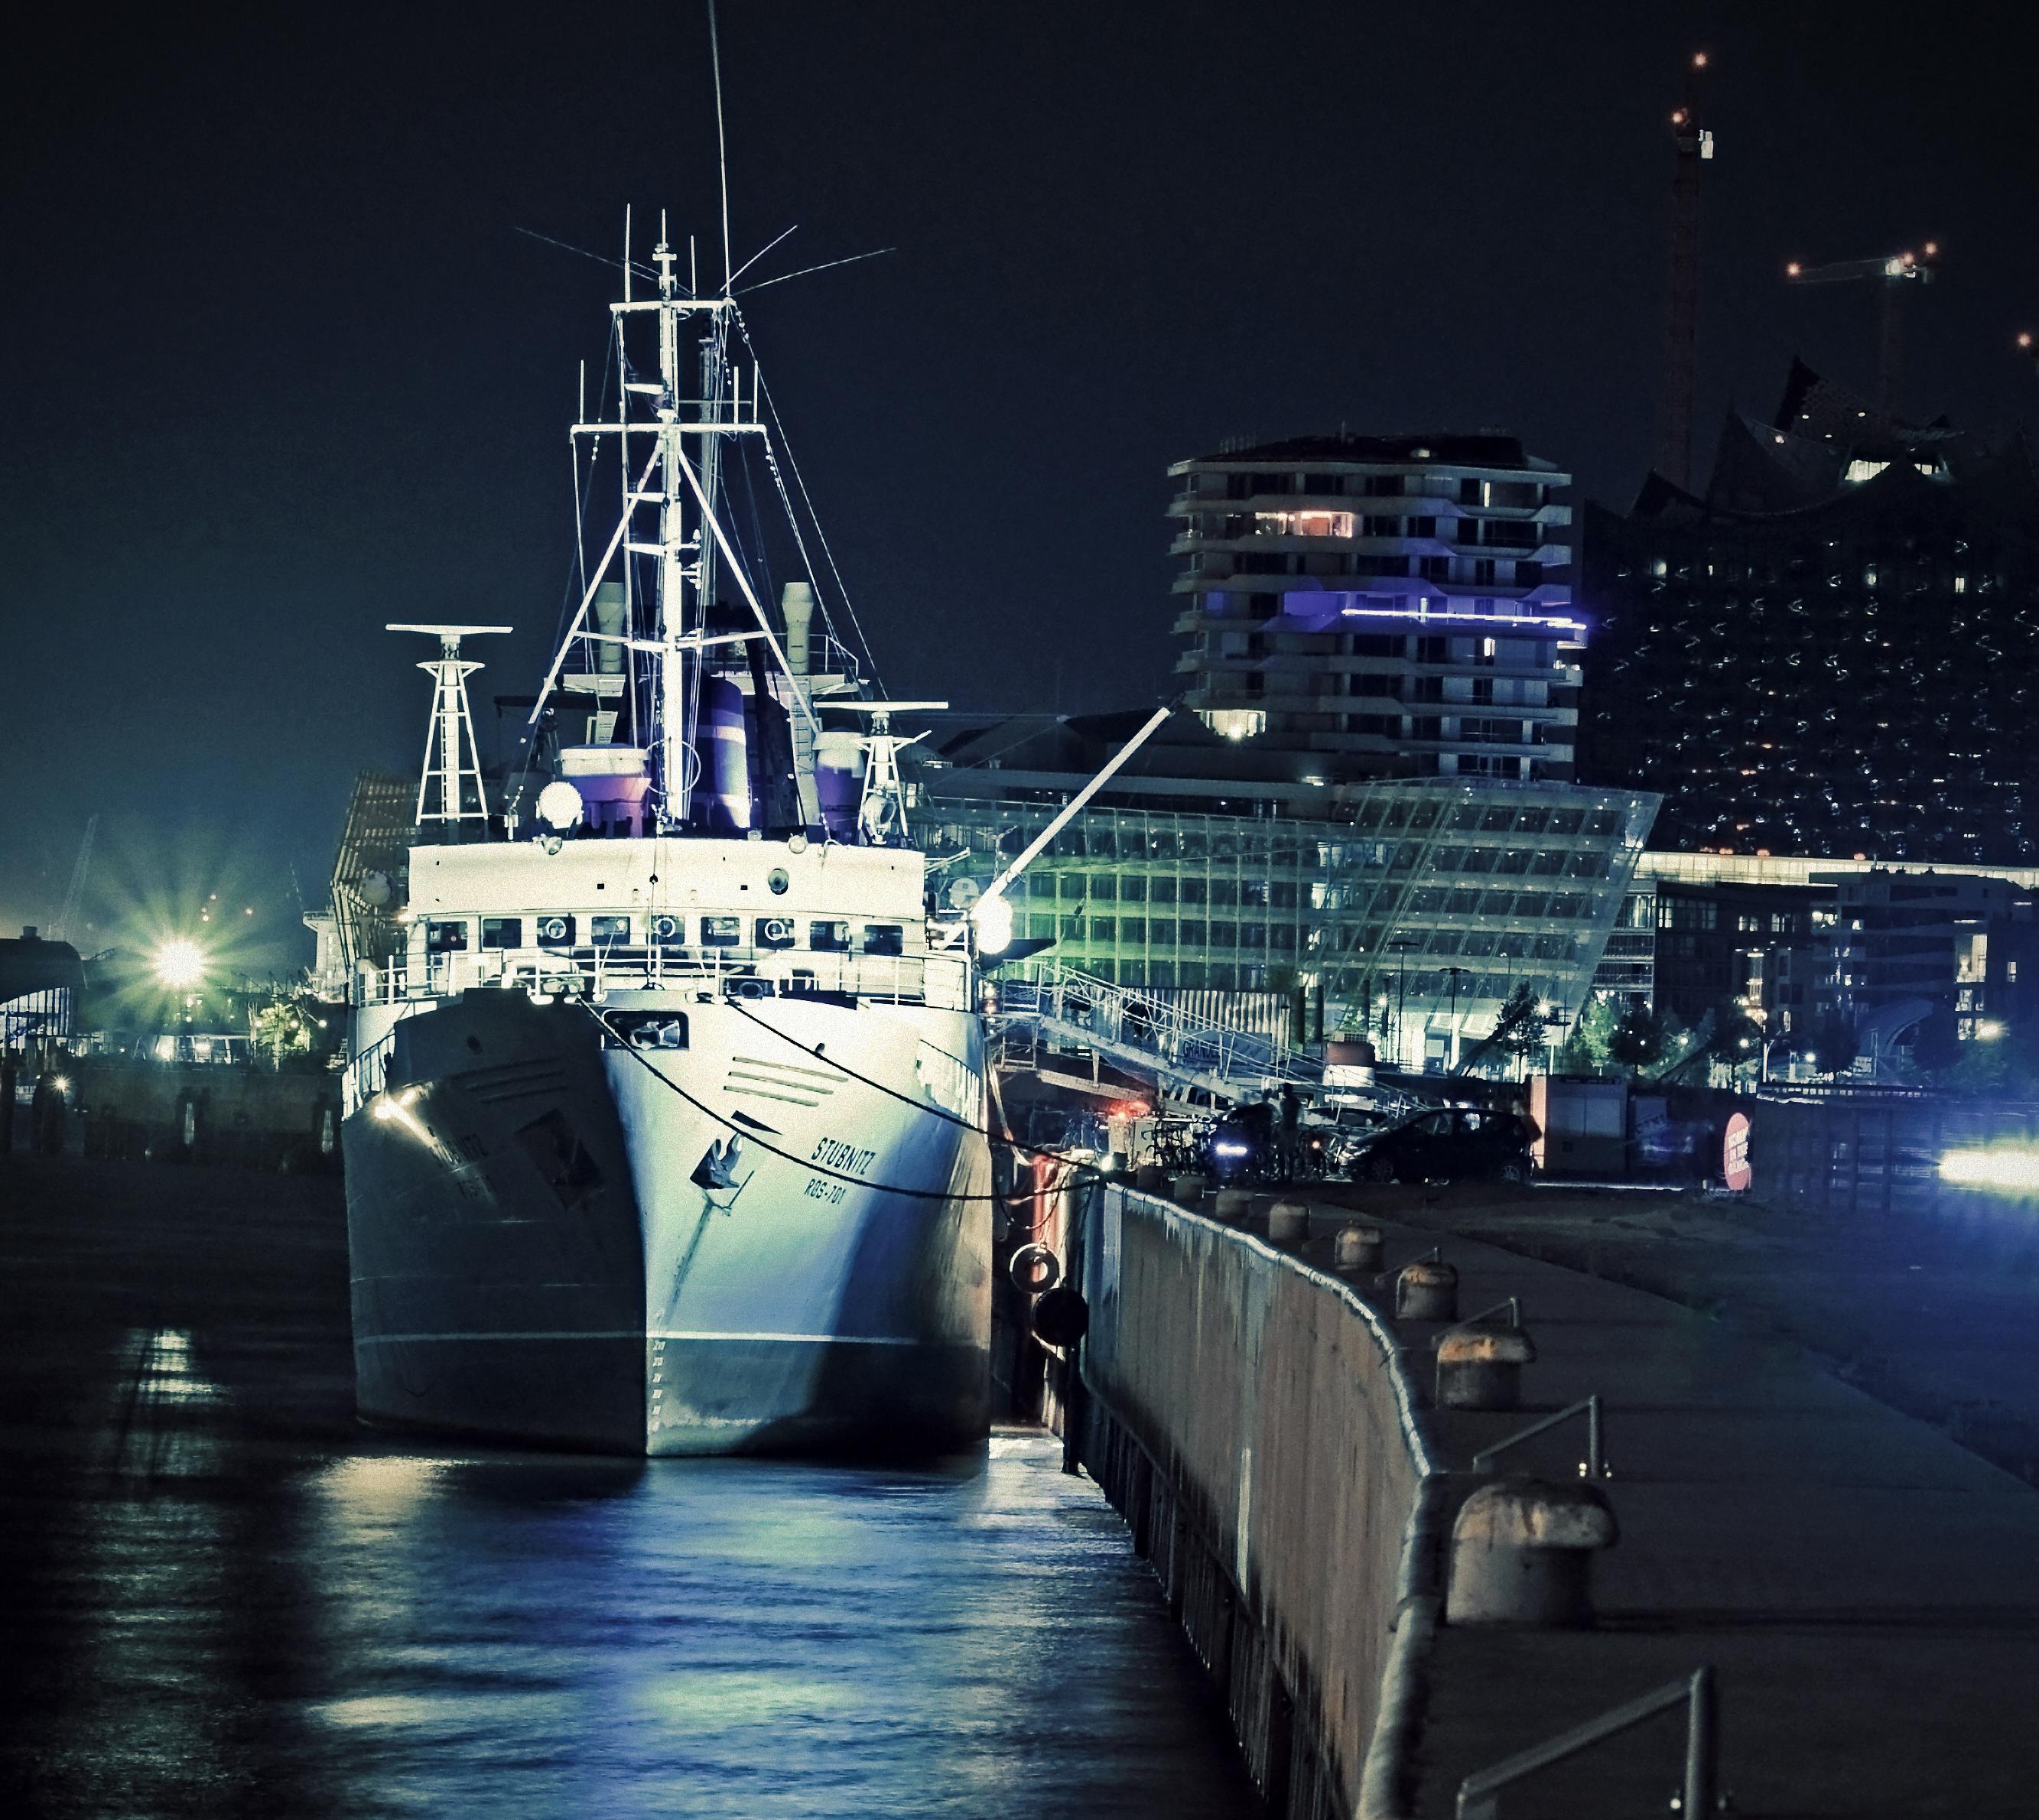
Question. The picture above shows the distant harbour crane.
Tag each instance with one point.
(60, 930)
(1694, 146)
(1894, 276)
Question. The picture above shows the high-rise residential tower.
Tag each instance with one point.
(1382, 606)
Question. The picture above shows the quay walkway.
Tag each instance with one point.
(1866, 1591)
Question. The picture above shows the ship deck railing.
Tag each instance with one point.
(941, 981)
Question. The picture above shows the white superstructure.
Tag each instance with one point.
(666, 1122)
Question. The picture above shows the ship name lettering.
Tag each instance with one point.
(832, 1153)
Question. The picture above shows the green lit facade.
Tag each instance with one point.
(1506, 882)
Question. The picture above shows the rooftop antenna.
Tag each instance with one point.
(451, 753)
(721, 142)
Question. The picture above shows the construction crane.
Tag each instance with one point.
(60, 929)
(1695, 147)
(1894, 276)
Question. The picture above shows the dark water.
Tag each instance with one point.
(221, 1597)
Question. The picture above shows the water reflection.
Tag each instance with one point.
(750, 1638)
(226, 1599)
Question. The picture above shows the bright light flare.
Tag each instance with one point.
(181, 966)
(2007, 1168)
(993, 919)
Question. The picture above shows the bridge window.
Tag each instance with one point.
(722, 931)
(776, 931)
(503, 931)
(884, 938)
(556, 931)
(669, 931)
(829, 937)
(445, 938)
(609, 931)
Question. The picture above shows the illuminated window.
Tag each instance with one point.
(1302, 523)
(1234, 723)
(1860, 470)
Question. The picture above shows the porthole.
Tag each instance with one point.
(778, 881)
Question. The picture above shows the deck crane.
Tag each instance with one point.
(1893, 276)
(60, 929)
(1695, 146)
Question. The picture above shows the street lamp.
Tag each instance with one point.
(180, 965)
(1401, 950)
(1554, 1022)
(1457, 974)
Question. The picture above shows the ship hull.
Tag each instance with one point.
(562, 1238)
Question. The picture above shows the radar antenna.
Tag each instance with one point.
(451, 753)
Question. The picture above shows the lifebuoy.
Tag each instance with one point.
(1034, 1269)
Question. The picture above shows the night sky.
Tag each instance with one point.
(278, 366)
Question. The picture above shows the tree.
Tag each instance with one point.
(1585, 1049)
(1519, 1027)
(1637, 1041)
(1833, 1044)
(1937, 1045)
(282, 1027)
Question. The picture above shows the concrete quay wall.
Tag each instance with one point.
(1251, 1418)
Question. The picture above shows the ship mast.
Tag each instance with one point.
(688, 548)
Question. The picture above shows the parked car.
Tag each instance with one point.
(1449, 1143)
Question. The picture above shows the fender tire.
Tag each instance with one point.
(1033, 1269)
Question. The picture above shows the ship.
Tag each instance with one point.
(665, 1112)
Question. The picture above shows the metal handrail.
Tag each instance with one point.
(365, 1073)
(1595, 1465)
(940, 981)
(1480, 1793)
(1512, 1308)
(1139, 1021)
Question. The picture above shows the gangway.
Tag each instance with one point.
(1193, 1060)
(1058, 1007)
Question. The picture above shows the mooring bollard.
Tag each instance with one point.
(1189, 1190)
(1522, 1553)
(1150, 1178)
(1427, 1289)
(1288, 1222)
(1232, 1205)
(1480, 1367)
(1356, 1248)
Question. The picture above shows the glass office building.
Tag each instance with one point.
(1415, 907)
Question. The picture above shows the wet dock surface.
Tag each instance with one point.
(222, 1597)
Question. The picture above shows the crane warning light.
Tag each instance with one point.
(1793, 269)
(1698, 59)
(2025, 338)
